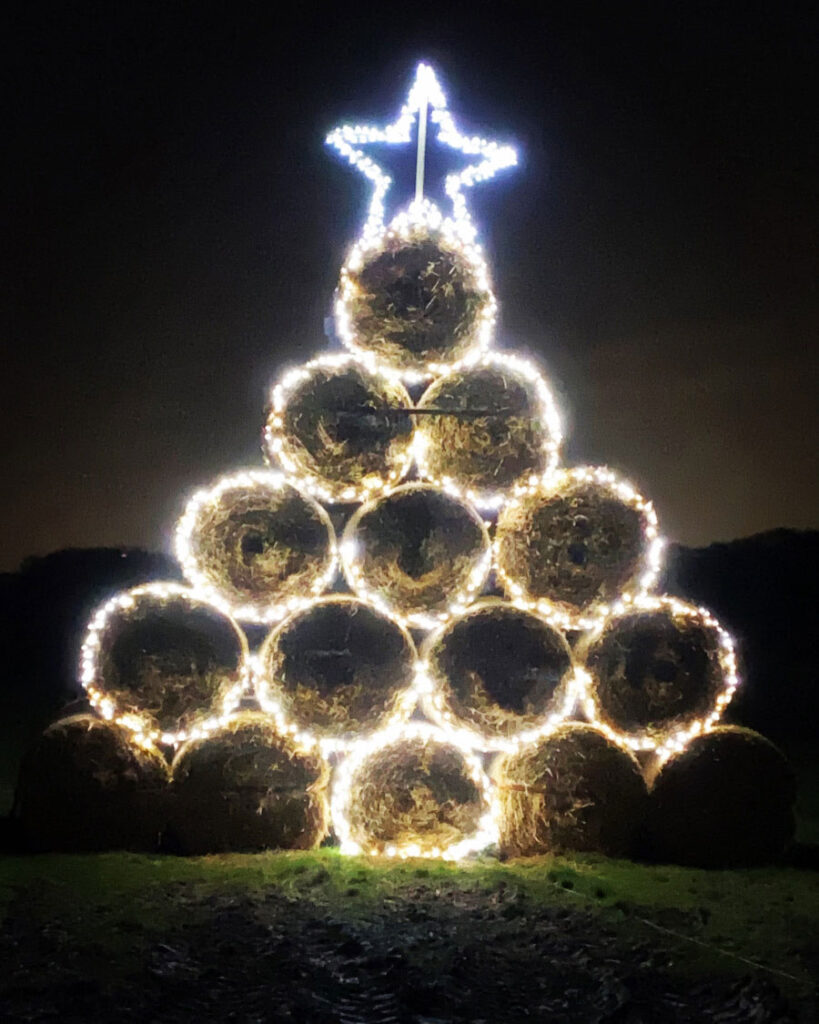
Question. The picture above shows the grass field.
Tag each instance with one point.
(100, 926)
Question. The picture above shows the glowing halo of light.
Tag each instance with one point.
(544, 412)
(434, 699)
(342, 793)
(422, 222)
(355, 572)
(279, 448)
(400, 698)
(562, 613)
(140, 725)
(272, 487)
(671, 742)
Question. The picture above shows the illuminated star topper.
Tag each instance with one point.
(425, 99)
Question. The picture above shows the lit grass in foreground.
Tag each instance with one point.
(769, 916)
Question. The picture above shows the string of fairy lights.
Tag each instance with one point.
(296, 466)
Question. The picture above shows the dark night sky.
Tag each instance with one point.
(173, 229)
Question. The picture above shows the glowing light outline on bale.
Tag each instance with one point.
(674, 742)
(341, 794)
(269, 701)
(654, 543)
(253, 611)
(273, 438)
(433, 700)
(419, 220)
(138, 724)
(425, 93)
(350, 562)
(548, 414)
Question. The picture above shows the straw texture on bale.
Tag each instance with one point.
(572, 790)
(418, 549)
(247, 788)
(259, 545)
(415, 301)
(415, 790)
(340, 429)
(498, 669)
(726, 800)
(169, 659)
(577, 544)
(653, 673)
(86, 786)
(482, 454)
(338, 668)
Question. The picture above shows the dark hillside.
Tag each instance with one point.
(765, 589)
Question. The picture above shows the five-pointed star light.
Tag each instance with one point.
(425, 97)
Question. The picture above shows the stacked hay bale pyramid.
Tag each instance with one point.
(478, 660)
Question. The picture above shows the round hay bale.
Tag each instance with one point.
(338, 669)
(577, 542)
(498, 671)
(726, 800)
(497, 430)
(574, 789)
(163, 661)
(415, 299)
(86, 786)
(414, 794)
(257, 545)
(339, 429)
(247, 788)
(417, 551)
(659, 669)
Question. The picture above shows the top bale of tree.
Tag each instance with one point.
(416, 300)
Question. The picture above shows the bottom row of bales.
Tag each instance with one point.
(727, 799)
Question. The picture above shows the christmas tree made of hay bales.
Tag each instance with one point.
(414, 633)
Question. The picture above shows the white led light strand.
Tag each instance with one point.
(311, 483)
(676, 741)
(425, 95)
(546, 412)
(139, 725)
(342, 794)
(265, 612)
(654, 544)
